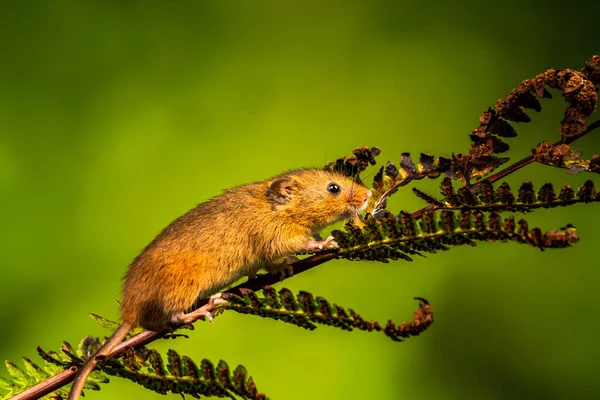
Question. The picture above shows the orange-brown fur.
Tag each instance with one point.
(231, 236)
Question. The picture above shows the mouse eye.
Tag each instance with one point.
(333, 188)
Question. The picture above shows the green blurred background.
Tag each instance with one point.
(118, 116)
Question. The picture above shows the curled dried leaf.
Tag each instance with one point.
(579, 92)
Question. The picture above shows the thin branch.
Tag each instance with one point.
(591, 127)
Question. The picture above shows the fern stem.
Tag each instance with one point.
(48, 386)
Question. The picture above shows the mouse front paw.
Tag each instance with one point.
(318, 245)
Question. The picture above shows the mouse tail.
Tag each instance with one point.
(90, 364)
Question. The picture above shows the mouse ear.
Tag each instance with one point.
(281, 190)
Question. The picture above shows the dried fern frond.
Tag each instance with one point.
(305, 310)
(389, 179)
(578, 89)
(394, 237)
(181, 375)
(352, 166)
(579, 92)
(504, 199)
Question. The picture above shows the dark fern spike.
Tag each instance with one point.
(587, 192)
(467, 197)
(526, 193)
(181, 375)
(280, 306)
(441, 230)
(352, 166)
(561, 155)
(505, 195)
(487, 194)
(307, 311)
(504, 199)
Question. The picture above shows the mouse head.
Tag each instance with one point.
(316, 198)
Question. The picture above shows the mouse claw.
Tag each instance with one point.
(330, 243)
(203, 312)
(209, 317)
(314, 245)
(216, 299)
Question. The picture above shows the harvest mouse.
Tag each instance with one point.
(228, 237)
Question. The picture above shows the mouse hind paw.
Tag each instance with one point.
(203, 312)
